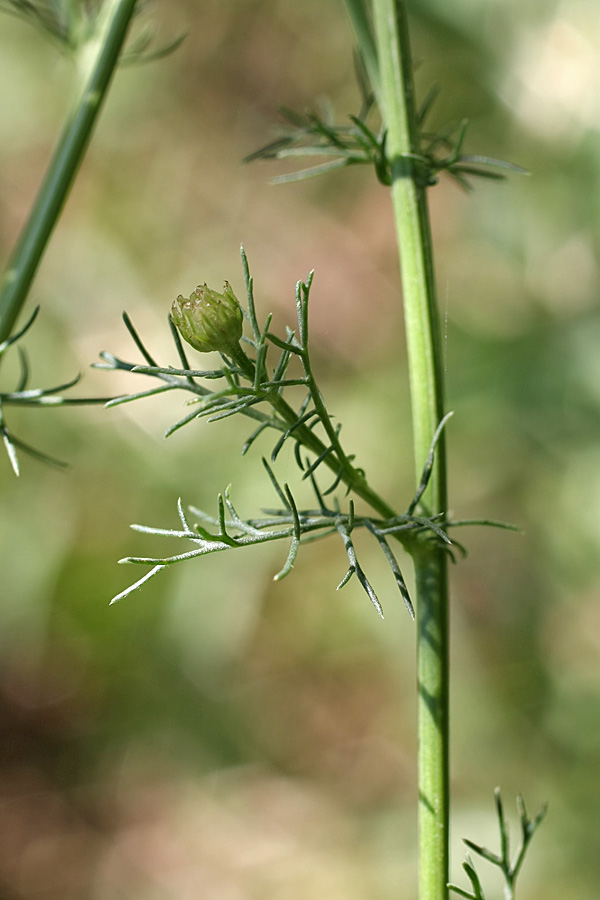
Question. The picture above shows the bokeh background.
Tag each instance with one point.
(217, 735)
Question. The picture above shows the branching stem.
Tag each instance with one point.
(349, 475)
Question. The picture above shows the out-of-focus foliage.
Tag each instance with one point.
(217, 735)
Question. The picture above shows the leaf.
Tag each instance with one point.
(19, 334)
(355, 568)
(393, 563)
(293, 552)
(137, 585)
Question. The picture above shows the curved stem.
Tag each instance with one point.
(426, 384)
(99, 58)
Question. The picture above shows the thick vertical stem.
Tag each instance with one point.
(98, 59)
(426, 384)
(433, 731)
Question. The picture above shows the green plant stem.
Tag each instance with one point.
(97, 59)
(306, 436)
(426, 384)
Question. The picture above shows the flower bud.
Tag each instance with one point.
(208, 320)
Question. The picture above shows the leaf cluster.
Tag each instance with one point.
(249, 384)
(23, 395)
(71, 23)
(510, 869)
(315, 134)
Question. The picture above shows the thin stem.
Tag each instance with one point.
(306, 436)
(426, 383)
(97, 61)
(315, 393)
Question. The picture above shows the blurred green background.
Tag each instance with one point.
(217, 735)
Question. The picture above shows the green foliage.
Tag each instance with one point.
(23, 395)
(510, 869)
(250, 384)
(71, 23)
(317, 135)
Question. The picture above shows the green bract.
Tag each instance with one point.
(208, 320)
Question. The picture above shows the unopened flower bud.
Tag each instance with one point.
(208, 320)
